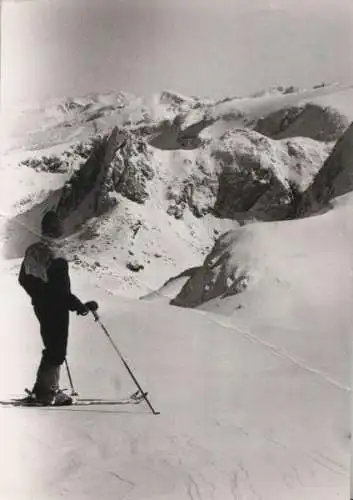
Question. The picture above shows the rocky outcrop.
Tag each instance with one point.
(176, 135)
(132, 169)
(82, 197)
(221, 274)
(116, 163)
(306, 120)
(52, 164)
(86, 194)
(260, 177)
(244, 176)
(196, 191)
(334, 179)
(70, 160)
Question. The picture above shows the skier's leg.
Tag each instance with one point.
(47, 382)
(56, 352)
(41, 315)
(54, 331)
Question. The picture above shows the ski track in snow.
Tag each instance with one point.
(278, 352)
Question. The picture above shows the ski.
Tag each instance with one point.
(135, 398)
(29, 402)
(107, 402)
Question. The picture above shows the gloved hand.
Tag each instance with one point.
(91, 305)
(82, 309)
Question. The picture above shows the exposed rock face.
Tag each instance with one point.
(221, 274)
(244, 175)
(84, 196)
(52, 164)
(131, 170)
(259, 176)
(334, 179)
(117, 163)
(70, 160)
(197, 190)
(307, 120)
(125, 172)
(183, 132)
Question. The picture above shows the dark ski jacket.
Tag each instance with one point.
(44, 275)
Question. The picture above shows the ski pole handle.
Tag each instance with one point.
(92, 307)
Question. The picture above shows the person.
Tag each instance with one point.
(44, 275)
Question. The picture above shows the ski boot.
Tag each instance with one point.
(62, 399)
(53, 398)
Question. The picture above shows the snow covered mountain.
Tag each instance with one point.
(202, 167)
(195, 204)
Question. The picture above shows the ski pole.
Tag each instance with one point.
(73, 392)
(97, 319)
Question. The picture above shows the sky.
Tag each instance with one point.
(209, 48)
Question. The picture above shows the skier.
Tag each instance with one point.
(44, 275)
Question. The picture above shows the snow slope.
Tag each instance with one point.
(243, 398)
(238, 420)
(276, 276)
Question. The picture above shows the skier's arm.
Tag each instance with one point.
(61, 286)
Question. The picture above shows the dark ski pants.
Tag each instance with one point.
(54, 329)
